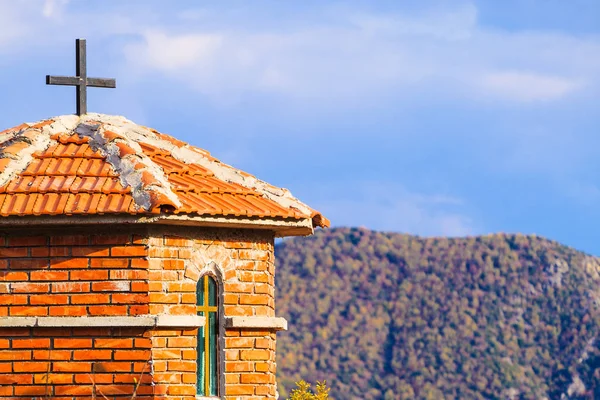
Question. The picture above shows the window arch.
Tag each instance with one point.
(208, 350)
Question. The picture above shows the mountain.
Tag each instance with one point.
(392, 316)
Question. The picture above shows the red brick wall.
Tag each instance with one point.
(77, 275)
(152, 271)
(177, 259)
(61, 363)
(83, 274)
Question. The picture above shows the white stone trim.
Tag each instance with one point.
(144, 321)
(271, 323)
(182, 321)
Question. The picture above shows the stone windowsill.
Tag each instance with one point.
(144, 321)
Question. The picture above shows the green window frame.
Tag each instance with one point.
(207, 305)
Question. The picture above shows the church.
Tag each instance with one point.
(134, 265)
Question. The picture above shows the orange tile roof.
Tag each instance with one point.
(100, 164)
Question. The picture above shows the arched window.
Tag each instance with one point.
(207, 305)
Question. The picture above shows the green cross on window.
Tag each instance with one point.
(206, 306)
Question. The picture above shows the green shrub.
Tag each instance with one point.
(304, 391)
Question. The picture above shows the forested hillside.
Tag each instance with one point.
(392, 316)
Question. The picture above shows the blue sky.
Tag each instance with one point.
(425, 117)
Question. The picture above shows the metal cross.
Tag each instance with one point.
(81, 81)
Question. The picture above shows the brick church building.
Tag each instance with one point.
(131, 262)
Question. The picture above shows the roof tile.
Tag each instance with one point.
(70, 172)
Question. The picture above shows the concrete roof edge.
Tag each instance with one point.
(282, 227)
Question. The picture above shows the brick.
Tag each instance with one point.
(96, 298)
(107, 310)
(240, 366)
(68, 263)
(92, 354)
(111, 343)
(39, 366)
(237, 311)
(71, 366)
(256, 378)
(255, 355)
(60, 251)
(111, 286)
(51, 355)
(181, 342)
(254, 299)
(139, 286)
(239, 390)
(26, 390)
(14, 252)
(128, 251)
(231, 298)
(261, 367)
(46, 299)
(53, 378)
(39, 252)
(12, 379)
(99, 379)
(237, 342)
(168, 377)
(177, 241)
(23, 311)
(73, 390)
(71, 240)
(179, 365)
(67, 311)
(72, 343)
(15, 355)
(31, 263)
(181, 287)
(11, 299)
(161, 354)
(90, 252)
(12, 276)
(19, 287)
(173, 264)
(139, 263)
(14, 241)
(49, 275)
(139, 309)
(30, 343)
(185, 390)
(120, 298)
(142, 342)
(171, 298)
(111, 239)
(112, 366)
(262, 343)
(238, 287)
(70, 287)
(128, 274)
(109, 263)
(88, 275)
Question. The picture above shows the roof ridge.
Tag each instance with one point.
(149, 185)
(189, 154)
(20, 160)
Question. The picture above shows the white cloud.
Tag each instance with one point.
(524, 86)
(350, 57)
(54, 8)
(173, 53)
(444, 52)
